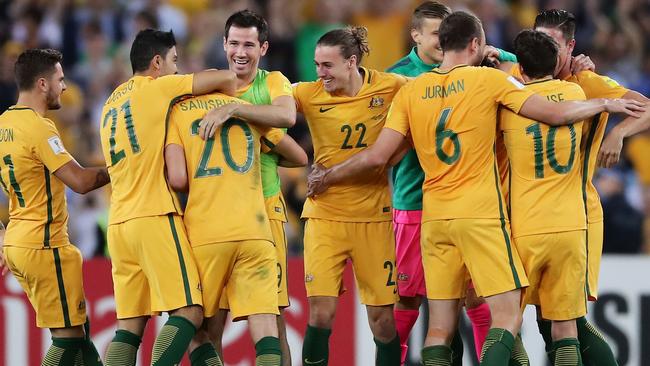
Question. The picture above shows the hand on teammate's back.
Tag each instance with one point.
(316, 180)
(581, 63)
(215, 118)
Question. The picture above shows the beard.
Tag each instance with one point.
(53, 100)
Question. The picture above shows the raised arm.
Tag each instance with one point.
(370, 161)
(207, 81)
(176, 167)
(557, 114)
(82, 180)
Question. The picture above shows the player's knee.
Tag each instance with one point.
(383, 327)
(440, 334)
(564, 329)
(321, 316)
(193, 313)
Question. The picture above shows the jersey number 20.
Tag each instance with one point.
(203, 170)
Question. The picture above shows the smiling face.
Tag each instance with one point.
(332, 68)
(243, 50)
(426, 38)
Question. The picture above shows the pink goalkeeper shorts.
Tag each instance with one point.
(410, 274)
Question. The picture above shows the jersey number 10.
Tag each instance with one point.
(538, 142)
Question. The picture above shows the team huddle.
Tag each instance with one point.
(491, 206)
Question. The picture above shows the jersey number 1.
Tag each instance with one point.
(130, 129)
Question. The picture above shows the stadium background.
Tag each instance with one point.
(95, 37)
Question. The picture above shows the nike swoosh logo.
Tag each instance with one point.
(323, 110)
(307, 362)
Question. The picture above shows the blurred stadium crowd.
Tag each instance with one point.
(95, 38)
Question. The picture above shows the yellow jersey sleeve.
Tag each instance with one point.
(175, 85)
(302, 92)
(271, 137)
(397, 118)
(400, 80)
(598, 86)
(278, 85)
(509, 91)
(48, 147)
(516, 72)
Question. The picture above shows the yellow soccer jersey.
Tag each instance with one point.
(341, 127)
(452, 118)
(31, 151)
(225, 202)
(545, 183)
(133, 137)
(593, 131)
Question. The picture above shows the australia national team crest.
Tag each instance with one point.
(376, 102)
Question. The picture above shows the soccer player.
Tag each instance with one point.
(153, 265)
(34, 171)
(560, 25)
(345, 109)
(237, 256)
(407, 178)
(464, 224)
(545, 170)
(270, 95)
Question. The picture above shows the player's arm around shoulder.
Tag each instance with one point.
(558, 114)
(208, 81)
(280, 113)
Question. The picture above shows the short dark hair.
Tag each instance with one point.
(353, 40)
(248, 19)
(147, 44)
(536, 53)
(429, 10)
(34, 64)
(560, 19)
(458, 29)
